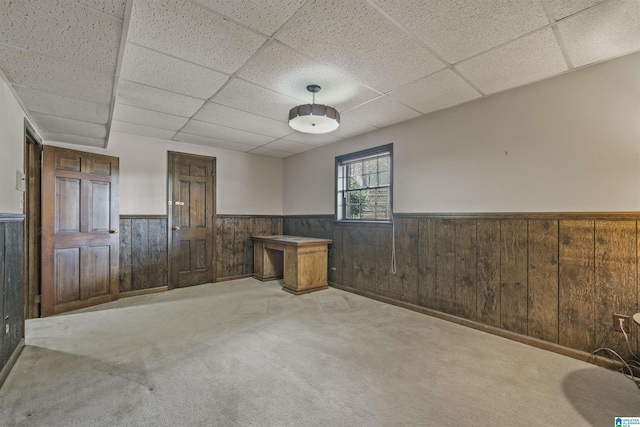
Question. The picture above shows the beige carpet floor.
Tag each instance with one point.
(246, 353)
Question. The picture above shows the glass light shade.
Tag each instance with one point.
(314, 118)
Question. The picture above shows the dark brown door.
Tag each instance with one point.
(191, 219)
(32, 225)
(80, 217)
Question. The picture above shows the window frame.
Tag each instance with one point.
(340, 212)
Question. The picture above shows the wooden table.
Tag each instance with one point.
(301, 261)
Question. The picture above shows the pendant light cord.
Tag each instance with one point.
(393, 245)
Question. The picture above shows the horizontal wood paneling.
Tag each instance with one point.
(557, 277)
(11, 265)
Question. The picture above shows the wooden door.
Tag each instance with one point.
(80, 217)
(32, 225)
(191, 219)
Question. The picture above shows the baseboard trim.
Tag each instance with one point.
(143, 291)
(534, 342)
(226, 279)
(12, 361)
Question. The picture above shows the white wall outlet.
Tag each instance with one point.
(20, 181)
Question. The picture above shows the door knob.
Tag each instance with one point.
(175, 228)
(113, 231)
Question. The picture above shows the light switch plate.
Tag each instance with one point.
(20, 181)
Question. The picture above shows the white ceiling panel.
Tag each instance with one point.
(188, 31)
(151, 68)
(354, 38)
(383, 111)
(69, 126)
(602, 32)
(112, 7)
(136, 129)
(562, 8)
(225, 133)
(38, 101)
(284, 70)
(531, 58)
(25, 68)
(65, 30)
(271, 153)
(459, 29)
(288, 146)
(350, 126)
(435, 92)
(245, 96)
(265, 16)
(313, 139)
(129, 114)
(151, 98)
(212, 142)
(73, 139)
(237, 119)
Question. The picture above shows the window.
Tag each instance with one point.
(364, 185)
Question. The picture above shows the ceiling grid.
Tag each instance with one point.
(225, 73)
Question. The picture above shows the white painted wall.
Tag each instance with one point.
(246, 183)
(570, 143)
(11, 150)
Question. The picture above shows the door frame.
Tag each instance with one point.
(210, 193)
(31, 273)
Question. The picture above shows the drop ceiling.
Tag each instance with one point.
(224, 73)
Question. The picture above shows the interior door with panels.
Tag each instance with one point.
(80, 218)
(191, 219)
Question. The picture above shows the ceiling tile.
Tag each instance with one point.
(227, 116)
(64, 30)
(225, 133)
(212, 142)
(459, 29)
(151, 68)
(254, 99)
(25, 68)
(350, 126)
(112, 7)
(69, 126)
(138, 95)
(188, 31)
(265, 16)
(136, 129)
(129, 114)
(602, 32)
(383, 111)
(313, 139)
(284, 70)
(271, 153)
(38, 101)
(288, 146)
(354, 38)
(73, 139)
(435, 92)
(531, 58)
(563, 8)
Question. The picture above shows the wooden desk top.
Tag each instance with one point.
(292, 240)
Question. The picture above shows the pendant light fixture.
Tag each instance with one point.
(314, 118)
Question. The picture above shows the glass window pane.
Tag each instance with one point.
(383, 163)
(353, 211)
(384, 178)
(370, 166)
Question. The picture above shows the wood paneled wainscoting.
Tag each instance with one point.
(11, 307)
(143, 254)
(553, 280)
(234, 245)
(143, 249)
